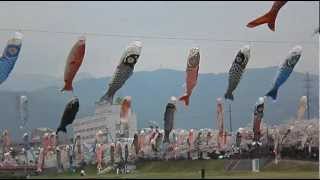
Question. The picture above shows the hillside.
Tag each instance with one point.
(151, 91)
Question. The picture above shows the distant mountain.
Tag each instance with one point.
(31, 82)
(28, 82)
(83, 75)
(151, 91)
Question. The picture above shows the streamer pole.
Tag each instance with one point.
(230, 117)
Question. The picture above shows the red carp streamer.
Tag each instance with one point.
(268, 18)
(257, 118)
(45, 145)
(220, 122)
(73, 63)
(99, 156)
(52, 142)
(190, 142)
(191, 74)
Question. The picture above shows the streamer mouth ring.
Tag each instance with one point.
(82, 38)
(18, 35)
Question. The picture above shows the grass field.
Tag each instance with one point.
(191, 169)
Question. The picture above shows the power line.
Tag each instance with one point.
(156, 37)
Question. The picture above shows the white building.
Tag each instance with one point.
(107, 119)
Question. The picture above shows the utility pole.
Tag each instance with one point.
(308, 87)
(267, 137)
(230, 119)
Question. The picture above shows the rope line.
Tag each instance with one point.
(158, 37)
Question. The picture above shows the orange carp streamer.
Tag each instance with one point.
(125, 110)
(73, 63)
(302, 107)
(268, 18)
(191, 74)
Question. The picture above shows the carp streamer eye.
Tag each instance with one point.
(293, 60)
(260, 109)
(239, 58)
(12, 50)
(131, 59)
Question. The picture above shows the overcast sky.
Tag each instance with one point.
(45, 53)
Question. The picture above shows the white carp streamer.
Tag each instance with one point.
(23, 107)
